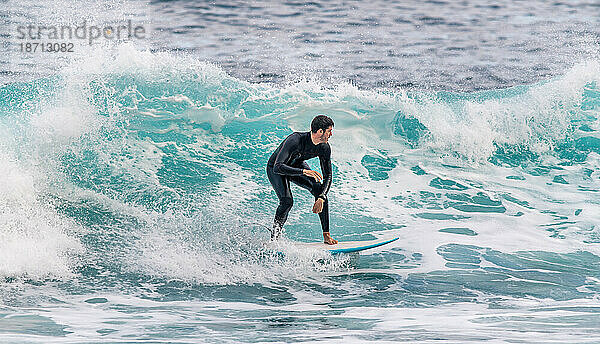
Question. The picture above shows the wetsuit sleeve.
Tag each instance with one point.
(325, 159)
(280, 166)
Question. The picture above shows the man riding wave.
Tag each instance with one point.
(288, 163)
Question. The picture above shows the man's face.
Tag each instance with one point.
(325, 135)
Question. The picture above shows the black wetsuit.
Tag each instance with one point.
(286, 164)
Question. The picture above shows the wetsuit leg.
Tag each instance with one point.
(281, 184)
(315, 189)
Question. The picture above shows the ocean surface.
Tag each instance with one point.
(134, 203)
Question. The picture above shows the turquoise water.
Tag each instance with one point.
(133, 203)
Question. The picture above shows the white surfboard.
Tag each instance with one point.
(346, 246)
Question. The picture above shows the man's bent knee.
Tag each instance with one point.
(286, 202)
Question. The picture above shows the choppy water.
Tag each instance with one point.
(133, 195)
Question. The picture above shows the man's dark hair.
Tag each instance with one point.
(320, 122)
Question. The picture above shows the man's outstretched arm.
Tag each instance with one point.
(325, 160)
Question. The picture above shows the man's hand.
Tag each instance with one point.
(328, 239)
(314, 174)
(318, 206)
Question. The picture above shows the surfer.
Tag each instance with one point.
(287, 164)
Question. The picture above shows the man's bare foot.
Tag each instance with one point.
(328, 239)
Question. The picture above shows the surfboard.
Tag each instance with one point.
(346, 246)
